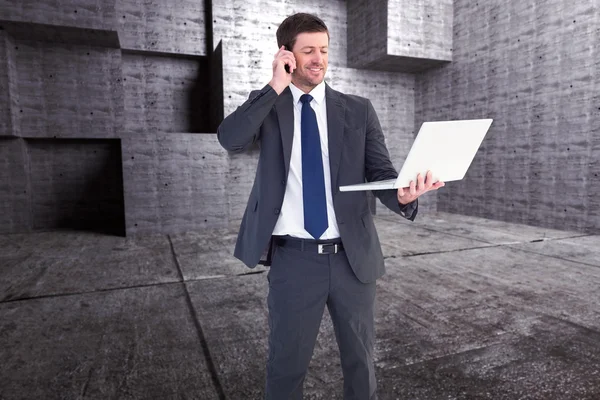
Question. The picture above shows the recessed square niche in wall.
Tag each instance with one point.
(165, 93)
(77, 184)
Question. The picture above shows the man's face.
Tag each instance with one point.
(310, 51)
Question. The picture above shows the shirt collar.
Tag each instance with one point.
(318, 93)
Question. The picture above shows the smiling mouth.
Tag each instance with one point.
(315, 69)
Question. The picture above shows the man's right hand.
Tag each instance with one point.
(281, 79)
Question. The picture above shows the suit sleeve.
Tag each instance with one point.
(241, 129)
(379, 167)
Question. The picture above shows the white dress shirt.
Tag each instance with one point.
(291, 217)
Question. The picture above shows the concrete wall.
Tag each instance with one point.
(156, 78)
(101, 107)
(535, 68)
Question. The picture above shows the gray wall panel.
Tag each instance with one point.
(13, 87)
(5, 102)
(534, 68)
(15, 201)
(174, 182)
(68, 90)
(168, 27)
(94, 14)
(9, 94)
(367, 31)
(420, 29)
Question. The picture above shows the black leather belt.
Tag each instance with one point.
(330, 246)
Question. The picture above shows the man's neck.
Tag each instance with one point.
(305, 88)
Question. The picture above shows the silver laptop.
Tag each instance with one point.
(446, 148)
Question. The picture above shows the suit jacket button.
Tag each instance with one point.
(283, 182)
(276, 211)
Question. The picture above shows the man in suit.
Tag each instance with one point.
(325, 249)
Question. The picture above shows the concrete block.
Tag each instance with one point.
(166, 27)
(401, 36)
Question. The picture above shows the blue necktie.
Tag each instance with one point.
(313, 178)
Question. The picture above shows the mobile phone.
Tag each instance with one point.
(287, 67)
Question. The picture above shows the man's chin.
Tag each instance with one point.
(316, 81)
(311, 82)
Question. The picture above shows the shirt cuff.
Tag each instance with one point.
(407, 210)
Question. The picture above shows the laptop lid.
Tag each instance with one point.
(447, 148)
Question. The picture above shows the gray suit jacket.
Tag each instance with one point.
(357, 153)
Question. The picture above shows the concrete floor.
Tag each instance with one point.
(469, 309)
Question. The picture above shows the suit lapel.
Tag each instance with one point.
(285, 116)
(335, 132)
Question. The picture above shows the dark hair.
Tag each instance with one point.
(296, 24)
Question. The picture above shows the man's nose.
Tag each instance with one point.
(318, 59)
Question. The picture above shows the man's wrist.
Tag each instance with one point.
(277, 88)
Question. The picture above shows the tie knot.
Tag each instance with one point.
(306, 98)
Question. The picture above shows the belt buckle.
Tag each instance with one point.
(321, 248)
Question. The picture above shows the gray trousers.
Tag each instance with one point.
(301, 283)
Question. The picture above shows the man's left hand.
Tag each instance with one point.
(409, 194)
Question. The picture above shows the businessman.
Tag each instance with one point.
(324, 247)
